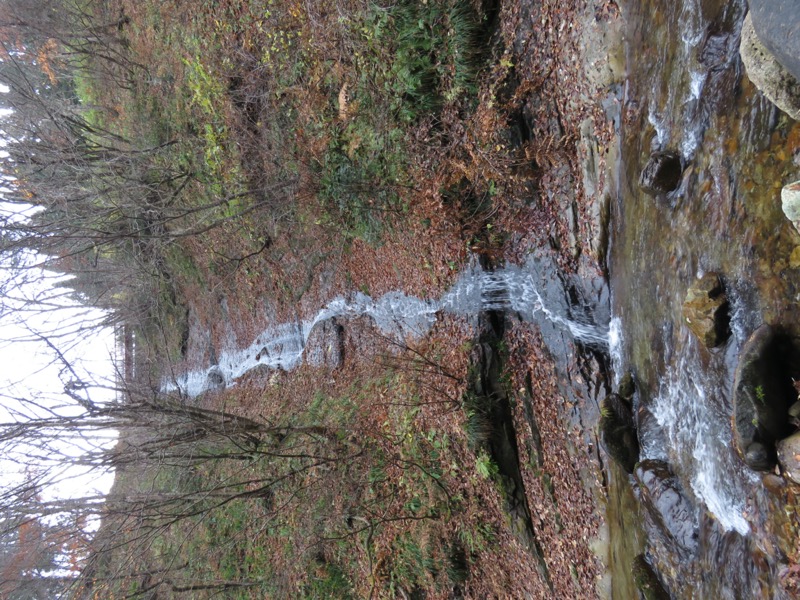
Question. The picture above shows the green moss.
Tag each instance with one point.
(618, 433)
(647, 581)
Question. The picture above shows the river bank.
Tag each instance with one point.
(543, 174)
(550, 148)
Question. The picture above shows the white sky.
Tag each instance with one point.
(29, 369)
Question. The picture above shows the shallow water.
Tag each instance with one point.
(687, 91)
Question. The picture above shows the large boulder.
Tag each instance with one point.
(667, 507)
(777, 25)
(618, 432)
(705, 310)
(662, 173)
(325, 344)
(762, 395)
(779, 85)
(789, 457)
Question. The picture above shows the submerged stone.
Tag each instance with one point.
(773, 483)
(646, 580)
(662, 173)
(667, 506)
(705, 311)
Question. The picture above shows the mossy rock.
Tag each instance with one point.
(646, 580)
(627, 387)
(762, 391)
(618, 432)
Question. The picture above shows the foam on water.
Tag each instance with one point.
(699, 433)
(400, 317)
(698, 80)
(615, 345)
(659, 124)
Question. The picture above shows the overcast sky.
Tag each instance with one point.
(31, 370)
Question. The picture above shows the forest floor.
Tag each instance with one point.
(289, 106)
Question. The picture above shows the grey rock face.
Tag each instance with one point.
(666, 503)
(770, 76)
(777, 24)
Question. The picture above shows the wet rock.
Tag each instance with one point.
(789, 457)
(767, 74)
(669, 509)
(325, 344)
(271, 353)
(776, 24)
(713, 51)
(705, 311)
(662, 173)
(652, 439)
(215, 380)
(646, 580)
(618, 432)
(773, 483)
(627, 387)
(762, 391)
(258, 373)
(794, 410)
(757, 457)
(790, 202)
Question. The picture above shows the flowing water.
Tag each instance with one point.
(535, 291)
(686, 91)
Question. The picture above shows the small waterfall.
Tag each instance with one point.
(681, 118)
(693, 409)
(698, 430)
(519, 289)
(401, 317)
(615, 346)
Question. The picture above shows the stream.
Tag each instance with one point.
(686, 91)
(565, 308)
